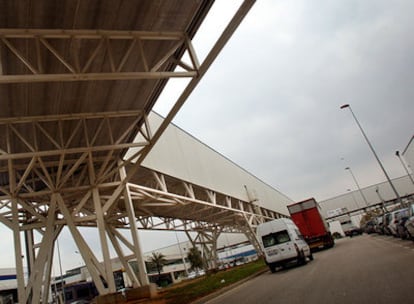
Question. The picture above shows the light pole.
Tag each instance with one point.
(381, 200)
(182, 256)
(403, 164)
(356, 183)
(373, 151)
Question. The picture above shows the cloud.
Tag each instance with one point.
(271, 100)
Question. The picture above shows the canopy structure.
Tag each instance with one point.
(77, 82)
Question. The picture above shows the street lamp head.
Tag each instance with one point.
(345, 106)
(397, 153)
(347, 168)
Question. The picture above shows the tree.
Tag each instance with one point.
(196, 261)
(158, 260)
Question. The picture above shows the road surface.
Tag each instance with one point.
(363, 269)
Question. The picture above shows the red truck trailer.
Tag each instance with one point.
(312, 225)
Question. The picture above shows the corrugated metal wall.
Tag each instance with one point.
(352, 200)
(180, 155)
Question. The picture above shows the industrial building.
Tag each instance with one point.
(81, 146)
(358, 201)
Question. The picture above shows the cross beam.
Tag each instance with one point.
(94, 55)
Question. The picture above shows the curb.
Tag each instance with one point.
(227, 288)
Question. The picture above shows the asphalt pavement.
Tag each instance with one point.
(363, 269)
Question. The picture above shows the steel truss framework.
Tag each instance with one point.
(69, 170)
(64, 183)
(71, 186)
(110, 58)
(56, 189)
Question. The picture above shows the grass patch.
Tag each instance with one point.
(201, 287)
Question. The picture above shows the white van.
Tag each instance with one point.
(282, 243)
(394, 218)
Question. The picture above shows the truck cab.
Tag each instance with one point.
(348, 226)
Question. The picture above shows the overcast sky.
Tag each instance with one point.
(271, 100)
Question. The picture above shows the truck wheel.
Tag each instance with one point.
(272, 268)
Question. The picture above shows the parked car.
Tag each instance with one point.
(393, 221)
(369, 226)
(385, 223)
(349, 228)
(401, 219)
(409, 224)
(379, 224)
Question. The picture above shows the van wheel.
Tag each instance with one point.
(311, 257)
(272, 268)
(302, 258)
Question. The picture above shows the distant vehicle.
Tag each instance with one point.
(348, 227)
(282, 243)
(311, 224)
(385, 223)
(401, 219)
(195, 274)
(369, 226)
(393, 221)
(82, 292)
(409, 224)
(379, 224)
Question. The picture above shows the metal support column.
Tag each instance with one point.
(91, 262)
(103, 241)
(18, 252)
(142, 271)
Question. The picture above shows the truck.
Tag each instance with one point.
(307, 216)
(348, 226)
(282, 243)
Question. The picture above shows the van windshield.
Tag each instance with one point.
(275, 238)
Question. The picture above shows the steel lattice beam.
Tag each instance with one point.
(110, 59)
(73, 166)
